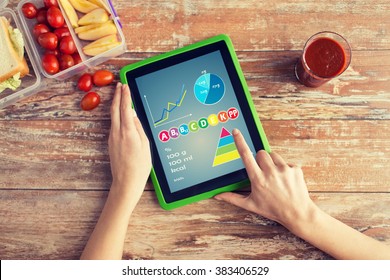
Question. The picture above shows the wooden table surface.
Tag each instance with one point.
(54, 164)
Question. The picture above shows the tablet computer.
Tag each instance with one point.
(189, 100)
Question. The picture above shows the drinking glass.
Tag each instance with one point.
(325, 56)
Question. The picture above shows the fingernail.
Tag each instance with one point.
(217, 197)
(118, 85)
(235, 131)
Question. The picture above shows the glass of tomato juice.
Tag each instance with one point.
(325, 56)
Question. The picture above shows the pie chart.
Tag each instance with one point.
(209, 89)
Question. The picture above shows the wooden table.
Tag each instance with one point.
(54, 164)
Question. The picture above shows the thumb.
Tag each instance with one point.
(233, 198)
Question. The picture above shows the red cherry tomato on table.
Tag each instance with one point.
(50, 64)
(55, 17)
(48, 40)
(66, 61)
(62, 32)
(42, 16)
(85, 82)
(29, 10)
(90, 101)
(102, 78)
(49, 3)
(67, 45)
(39, 29)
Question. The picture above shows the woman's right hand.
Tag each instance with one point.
(278, 189)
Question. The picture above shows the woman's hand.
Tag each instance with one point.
(130, 166)
(279, 193)
(128, 147)
(279, 190)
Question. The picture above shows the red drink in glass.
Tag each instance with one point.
(326, 55)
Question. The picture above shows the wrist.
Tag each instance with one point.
(124, 195)
(304, 221)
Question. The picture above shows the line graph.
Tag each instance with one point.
(168, 109)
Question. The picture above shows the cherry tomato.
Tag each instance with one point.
(50, 64)
(48, 40)
(42, 16)
(55, 17)
(90, 101)
(49, 3)
(29, 10)
(85, 82)
(39, 29)
(102, 78)
(76, 58)
(56, 52)
(67, 45)
(62, 32)
(66, 61)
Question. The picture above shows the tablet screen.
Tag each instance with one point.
(192, 108)
(189, 101)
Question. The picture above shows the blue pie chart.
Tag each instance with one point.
(209, 89)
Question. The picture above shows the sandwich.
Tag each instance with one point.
(13, 66)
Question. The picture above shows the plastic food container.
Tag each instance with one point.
(35, 80)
